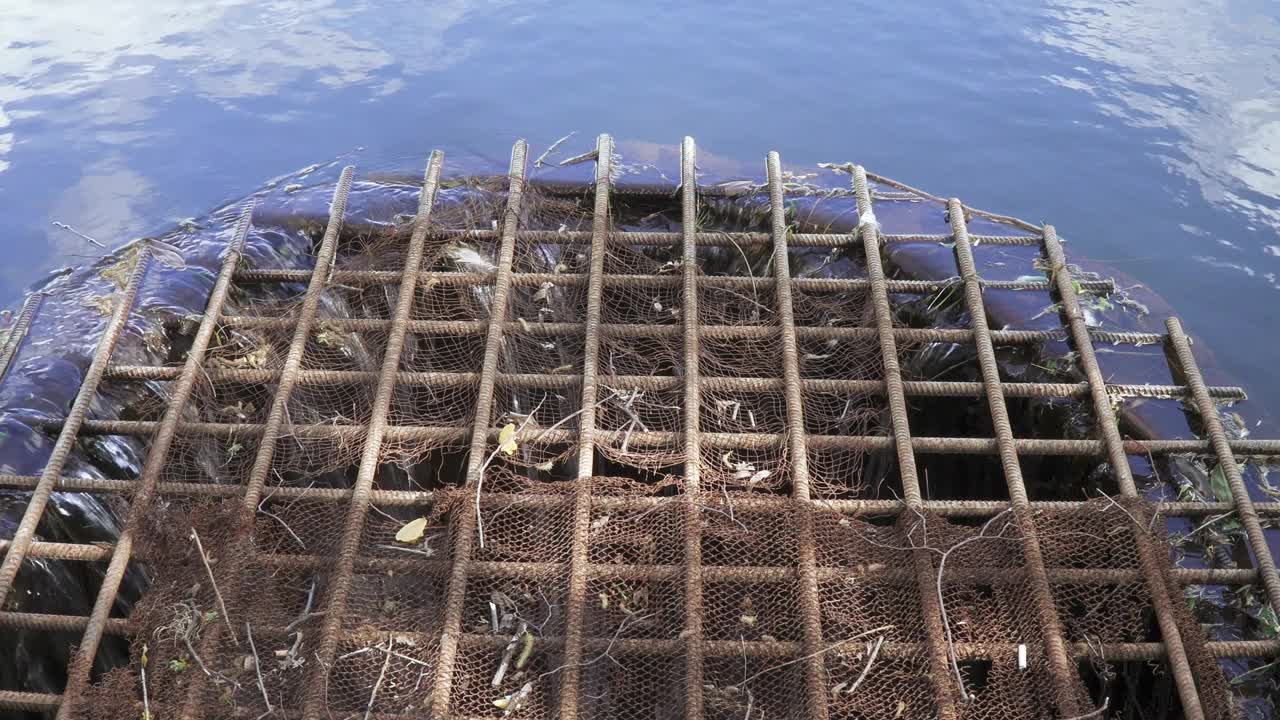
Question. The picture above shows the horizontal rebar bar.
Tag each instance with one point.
(717, 239)
(451, 435)
(462, 328)
(656, 573)
(833, 285)
(756, 503)
(922, 388)
(1112, 652)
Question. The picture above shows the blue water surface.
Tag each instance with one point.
(1148, 132)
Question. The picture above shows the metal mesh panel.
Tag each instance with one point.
(582, 471)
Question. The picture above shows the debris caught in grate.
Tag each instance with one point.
(528, 457)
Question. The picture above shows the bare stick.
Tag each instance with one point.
(216, 592)
(146, 700)
(874, 652)
(552, 148)
(368, 710)
(508, 653)
(608, 648)
(489, 460)
(584, 157)
(823, 651)
(200, 661)
(942, 606)
(1094, 713)
(284, 524)
(68, 228)
(257, 667)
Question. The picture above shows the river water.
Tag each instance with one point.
(1147, 132)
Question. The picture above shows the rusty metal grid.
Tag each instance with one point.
(808, 650)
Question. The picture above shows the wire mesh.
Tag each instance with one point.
(517, 459)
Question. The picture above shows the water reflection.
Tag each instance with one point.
(1201, 78)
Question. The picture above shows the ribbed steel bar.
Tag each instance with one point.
(410, 498)
(693, 385)
(727, 332)
(570, 680)
(1116, 653)
(275, 426)
(1061, 672)
(463, 520)
(714, 239)
(798, 451)
(70, 430)
(339, 582)
(936, 445)
(922, 560)
(921, 388)
(1244, 507)
(476, 279)
(18, 332)
(1152, 558)
(141, 504)
(663, 573)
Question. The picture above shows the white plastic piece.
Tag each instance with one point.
(868, 218)
(1022, 657)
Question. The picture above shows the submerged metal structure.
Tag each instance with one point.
(595, 541)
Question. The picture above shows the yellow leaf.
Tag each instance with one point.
(507, 439)
(412, 531)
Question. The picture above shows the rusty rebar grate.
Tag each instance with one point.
(684, 526)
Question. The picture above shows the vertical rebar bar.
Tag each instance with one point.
(152, 469)
(341, 574)
(868, 228)
(1061, 669)
(275, 424)
(464, 519)
(807, 573)
(580, 530)
(1151, 556)
(1245, 511)
(692, 428)
(17, 333)
(25, 532)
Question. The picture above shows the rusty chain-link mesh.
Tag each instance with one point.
(327, 505)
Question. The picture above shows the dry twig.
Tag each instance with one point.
(373, 697)
(216, 592)
(257, 668)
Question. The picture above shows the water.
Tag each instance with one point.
(1145, 131)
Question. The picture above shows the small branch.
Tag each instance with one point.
(146, 699)
(217, 593)
(373, 697)
(870, 660)
(257, 668)
(584, 157)
(200, 661)
(1094, 713)
(552, 148)
(608, 648)
(823, 651)
(68, 228)
(489, 461)
(508, 653)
